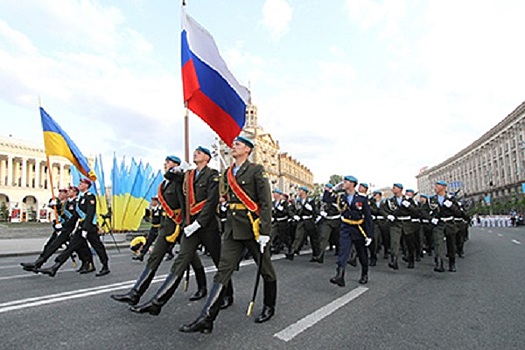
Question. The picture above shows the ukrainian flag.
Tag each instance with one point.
(58, 143)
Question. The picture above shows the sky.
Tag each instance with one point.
(369, 88)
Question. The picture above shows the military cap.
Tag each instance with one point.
(441, 182)
(154, 198)
(329, 185)
(86, 181)
(364, 184)
(276, 190)
(409, 190)
(63, 190)
(304, 188)
(423, 196)
(204, 150)
(74, 188)
(398, 185)
(377, 192)
(351, 178)
(173, 159)
(244, 140)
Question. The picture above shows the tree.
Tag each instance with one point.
(4, 212)
(335, 179)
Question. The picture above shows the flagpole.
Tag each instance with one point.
(50, 171)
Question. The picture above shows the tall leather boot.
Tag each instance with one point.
(35, 265)
(439, 264)
(270, 295)
(393, 262)
(339, 277)
(164, 293)
(51, 271)
(201, 292)
(452, 264)
(204, 323)
(133, 296)
(227, 299)
(364, 277)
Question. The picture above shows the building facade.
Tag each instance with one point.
(492, 167)
(284, 172)
(25, 187)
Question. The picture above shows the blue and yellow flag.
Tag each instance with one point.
(58, 143)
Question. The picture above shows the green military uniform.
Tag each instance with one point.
(330, 222)
(426, 226)
(381, 226)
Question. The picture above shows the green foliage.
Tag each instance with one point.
(335, 179)
(4, 212)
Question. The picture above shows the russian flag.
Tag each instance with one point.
(210, 89)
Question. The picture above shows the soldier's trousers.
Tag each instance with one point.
(327, 228)
(350, 236)
(280, 235)
(461, 236)
(152, 236)
(61, 238)
(306, 228)
(441, 231)
(79, 244)
(382, 229)
(428, 241)
(400, 229)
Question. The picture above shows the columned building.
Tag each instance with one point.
(492, 167)
(24, 182)
(284, 172)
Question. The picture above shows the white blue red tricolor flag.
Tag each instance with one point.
(210, 89)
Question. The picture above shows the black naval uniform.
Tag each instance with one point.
(426, 227)
(356, 226)
(202, 191)
(239, 235)
(155, 215)
(281, 212)
(330, 222)
(305, 217)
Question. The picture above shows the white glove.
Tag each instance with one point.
(308, 206)
(317, 219)
(263, 241)
(391, 217)
(184, 166)
(406, 203)
(447, 203)
(339, 186)
(296, 218)
(84, 234)
(191, 228)
(58, 226)
(323, 213)
(434, 221)
(52, 202)
(368, 240)
(280, 207)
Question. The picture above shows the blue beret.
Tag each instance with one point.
(377, 192)
(204, 150)
(174, 159)
(244, 140)
(409, 190)
(423, 195)
(351, 178)
(397, 184)
(277, 191)
(329, 185)
(441, 182)
(304, 188)
(364, 184)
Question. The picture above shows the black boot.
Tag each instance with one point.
(133, 296)
(201, 292)
(270, 295)
(139, 257)
(289, 256)
(452, 265)
(393, 262)
(439, 264)
(86, 268)
(227, 300)
(33, 266)
(373, 260)
(364, 278)
(51, 271)
(204, 323)
(165, 292)
(103, 271)
(339, 278)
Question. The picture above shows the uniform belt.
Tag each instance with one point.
(425, 221)
(379, 217)
(447, 219)
(155, 225)
(458, 219)
(237, 206)
(333, 217)
(415, 220)
(281, 219)
(306, 217)
(352, 222)
(403, 218)
(223, 220)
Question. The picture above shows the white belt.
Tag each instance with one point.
(223, 220)
(447, 219)
(282, 219)
(333, 217)
(404, 218)
(306, 217)
(425, 221)
(458, 219)
(415, 220)
(379, 217)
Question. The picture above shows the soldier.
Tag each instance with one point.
(280, 215)
(87, 230)
(248, 226)
(155, 214)
(462, 223)
(305, 217)
(372, 247)
(222, 210)
(444, 208)
(330, 221)
(416, 224)
(399, 212)
(172, 199)
(381, 225)
(201, 187)
(356, 229)
(426, 227)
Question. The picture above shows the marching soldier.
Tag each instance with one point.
(87, 230)
(372, 247)
(381, 225)
(248, 226)
(462, 222)
(222, 211)
(201, 186)
(426, 227)
(356, 229)
(305, 217)
(280, 216)
(399, 212)
(155, 214)
(172, 199)
(444, 208)
(330, 220)
(415, 223)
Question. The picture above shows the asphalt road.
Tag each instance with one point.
(479, 307)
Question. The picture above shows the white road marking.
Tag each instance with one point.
(500, 235)
(308, 321)
(516, 241)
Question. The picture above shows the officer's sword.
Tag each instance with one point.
(257, 278)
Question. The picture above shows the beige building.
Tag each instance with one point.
(284, 172)
(492, 167)
(24, 182)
